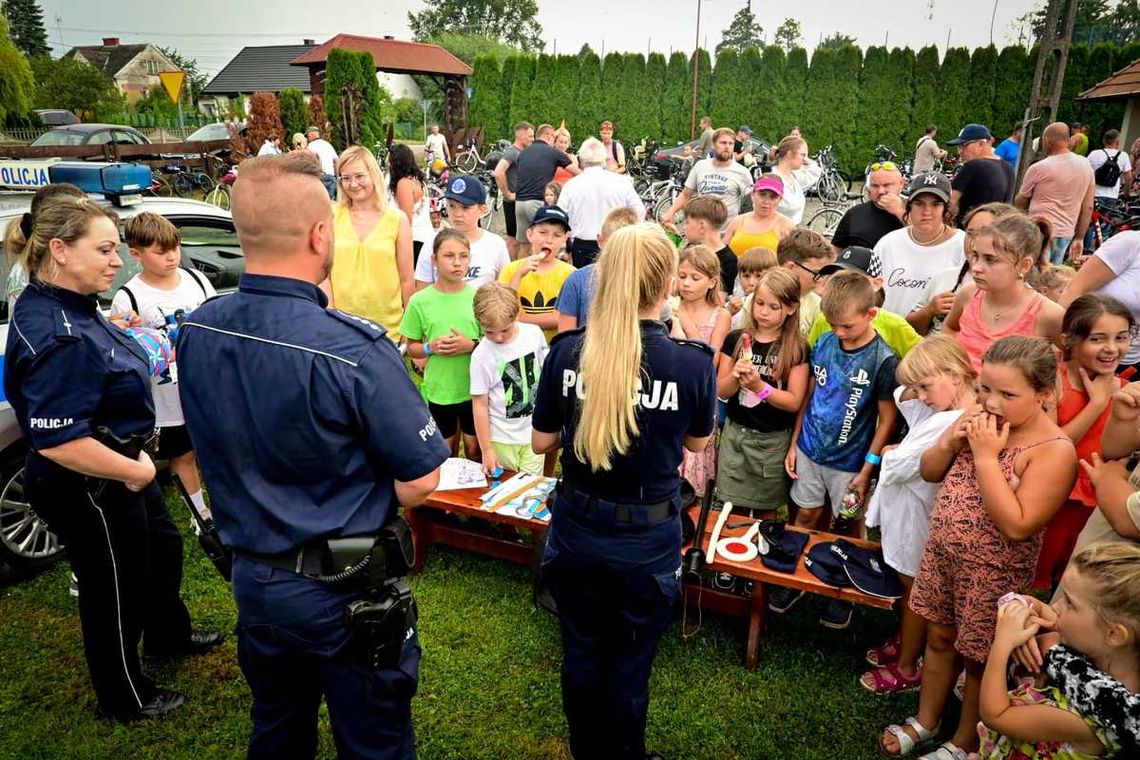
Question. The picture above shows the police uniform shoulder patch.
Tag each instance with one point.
(565, 333)
(694, 344)
(65, 329)
(366, 326)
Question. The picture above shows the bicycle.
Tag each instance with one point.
(1110, 217)
(467, 160)
(827, 219)
(494, 198)
(832, 183)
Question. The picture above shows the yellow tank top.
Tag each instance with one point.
(742, 241)
(365, 279)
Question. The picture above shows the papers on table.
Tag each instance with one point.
(457, 473)
(521, 496)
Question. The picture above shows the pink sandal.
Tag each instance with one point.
(885, 654)
(889, 679)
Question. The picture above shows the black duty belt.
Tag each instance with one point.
(305, 561)
(622, 512)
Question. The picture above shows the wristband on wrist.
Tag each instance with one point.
(427, 348)
(765, 392)
(1012, 597)
(872, 459)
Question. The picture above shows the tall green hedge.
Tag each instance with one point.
(839, 97)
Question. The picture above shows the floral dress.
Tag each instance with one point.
(995, 746)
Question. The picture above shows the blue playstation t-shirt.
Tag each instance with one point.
(843, 412)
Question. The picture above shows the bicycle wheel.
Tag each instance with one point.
(662, 205)
(219, 196)
(466, 162)
(825, 221)
(183, 185)
(830, 188)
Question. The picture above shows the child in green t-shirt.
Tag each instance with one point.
(440, 326)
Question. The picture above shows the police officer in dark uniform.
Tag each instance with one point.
(80, 389)
(623, 399)
(310, 434)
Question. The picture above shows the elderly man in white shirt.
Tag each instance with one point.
(588, 197)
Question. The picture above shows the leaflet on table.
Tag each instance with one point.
(522, 496)
(457, 473)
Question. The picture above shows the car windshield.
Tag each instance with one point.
(209, 132)
(59, 137)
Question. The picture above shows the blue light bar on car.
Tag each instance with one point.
(119, 182)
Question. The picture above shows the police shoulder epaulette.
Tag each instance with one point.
(65, 328)
(366, 326)
(695, 344)
(565, 333)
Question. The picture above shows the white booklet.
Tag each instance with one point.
(457, 473)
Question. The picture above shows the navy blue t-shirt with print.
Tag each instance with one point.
(840, 420)
(677, 399)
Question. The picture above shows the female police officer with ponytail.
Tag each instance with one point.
(622, 398)
(81, 392)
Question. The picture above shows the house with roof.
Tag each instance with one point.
(1122, 87)
(133, 68)
(264, 68)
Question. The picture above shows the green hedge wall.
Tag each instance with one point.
(843, 96)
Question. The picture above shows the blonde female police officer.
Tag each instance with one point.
(80, 388)
(623, 399)
(309, 432)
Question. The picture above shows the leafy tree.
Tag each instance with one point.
(749, 72)
(742, 33)
(674, 116)
(158, 104)
(317, 113)
(653, 90)
(926, 96)
(900, 73)
(795, 87)
(294, 114)
(506, 81)
(65, 83)
(485, 108)
(1093, 18)
(469, 47)
(640, 106)
(789, 34)
(195, 79)
(584, 51)
(1100, 66)
(876, 122)
(1073, 84)
(341, 70)
(704, 89)
(377, 101)
(541, 106)
(952, 107)
(982, 86)
(17, 87)
(729, 91)
(511, 21)
(587, 114)
(769, 95)
(837, 40)
(521, 89)
(264, 120)
(610, 104)
(831, 94)
(1125, 22)
(1011, 96)
(26, 27)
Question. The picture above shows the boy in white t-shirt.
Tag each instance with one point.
(161, 296)
(466, 200)
(504, 375)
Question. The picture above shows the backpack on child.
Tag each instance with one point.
(1108, 173)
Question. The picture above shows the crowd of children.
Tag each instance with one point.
(954, 427)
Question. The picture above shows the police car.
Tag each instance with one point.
(209, 244)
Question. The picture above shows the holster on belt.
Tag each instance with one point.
(130, 447)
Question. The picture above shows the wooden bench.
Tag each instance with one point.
(433, 522)
(755, 606)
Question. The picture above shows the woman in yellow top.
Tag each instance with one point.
(372, 264)
(763, 226)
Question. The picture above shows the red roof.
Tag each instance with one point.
(395, 56)
(1120, 86)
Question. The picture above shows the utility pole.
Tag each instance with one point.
(696, 74)
(1047, 80)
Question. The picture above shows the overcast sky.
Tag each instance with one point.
(213, 31)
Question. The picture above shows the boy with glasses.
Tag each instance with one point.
(804, 253)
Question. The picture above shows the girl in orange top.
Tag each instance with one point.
(1095, 334)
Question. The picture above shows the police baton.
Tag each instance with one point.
(695, 556)
(208, 537)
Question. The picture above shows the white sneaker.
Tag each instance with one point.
(73, 586)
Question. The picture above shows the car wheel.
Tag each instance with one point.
(26, 543)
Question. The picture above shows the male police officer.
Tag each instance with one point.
(309, 431)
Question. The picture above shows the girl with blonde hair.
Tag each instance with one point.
(372, 267)
(626, 400)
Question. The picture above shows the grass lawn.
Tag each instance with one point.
(489, 683)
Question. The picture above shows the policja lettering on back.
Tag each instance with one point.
(613, 556)
(310, 434)
(662, 396)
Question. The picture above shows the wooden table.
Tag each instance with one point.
(430, 524)
(755, 606)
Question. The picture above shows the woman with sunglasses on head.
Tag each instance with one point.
(372, 272)
(791, 160)
(926, 246)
